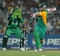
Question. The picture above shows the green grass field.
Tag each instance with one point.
(29, 53)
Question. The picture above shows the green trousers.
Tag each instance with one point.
(15, 31)
(39, 33)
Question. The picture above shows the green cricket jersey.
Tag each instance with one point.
(42, 20)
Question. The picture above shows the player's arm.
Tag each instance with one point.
(21, 19)
(37, 14)
(43, 14)
(50, 10)
(9, 17)
(40, 14)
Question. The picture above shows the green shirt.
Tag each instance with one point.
(15, 19)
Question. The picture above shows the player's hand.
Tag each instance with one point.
(33, 15)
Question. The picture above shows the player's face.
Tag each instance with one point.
(41, 8)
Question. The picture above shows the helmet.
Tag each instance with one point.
(43, 5)
(16, 8)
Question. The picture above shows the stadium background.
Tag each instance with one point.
(52, 38)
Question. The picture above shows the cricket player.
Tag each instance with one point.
(13, 26)
(40, 28)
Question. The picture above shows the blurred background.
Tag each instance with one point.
(28, 7)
